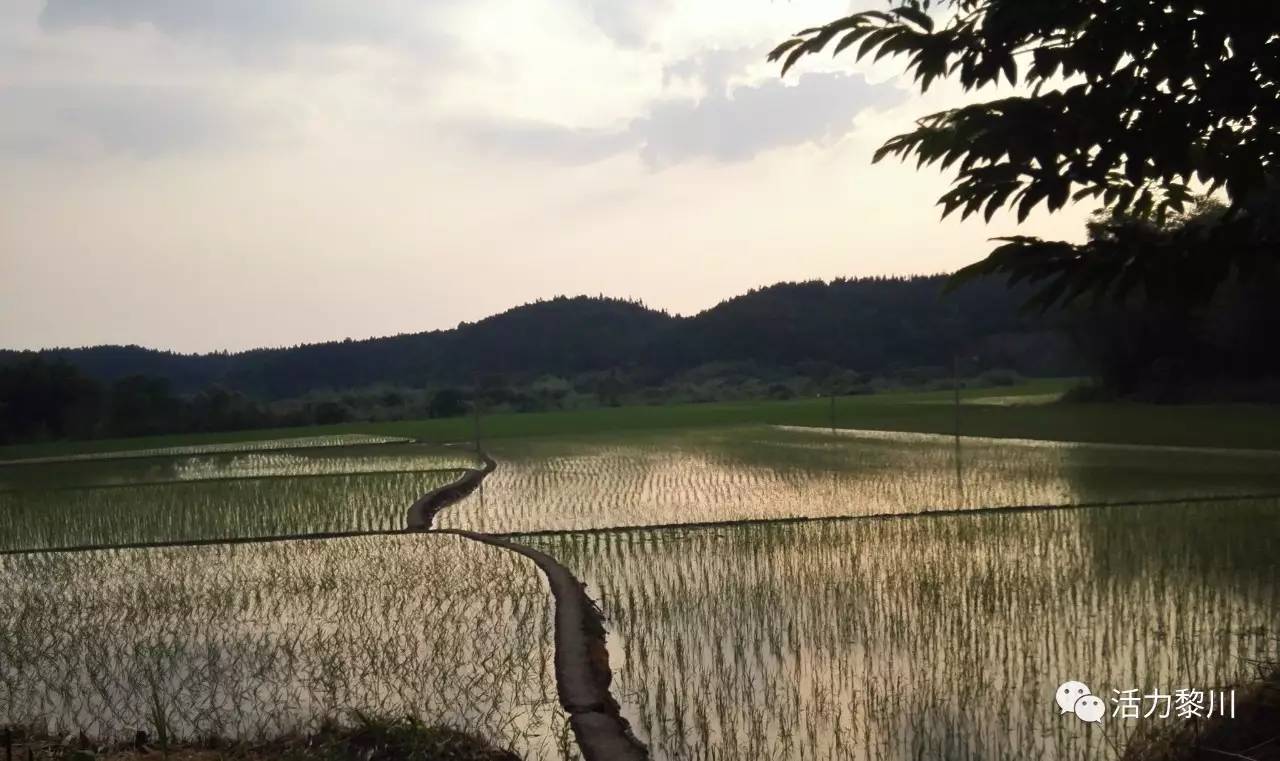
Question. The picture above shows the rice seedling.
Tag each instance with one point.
(928, 636)
(229, 496)
(764, 472)
(259, 641)
(300, 442)
(925, 637)
(226, 509)
(102, 471)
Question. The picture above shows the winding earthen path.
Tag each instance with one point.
(423, 512)
(582, 668)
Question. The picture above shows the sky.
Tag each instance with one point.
(198, 176)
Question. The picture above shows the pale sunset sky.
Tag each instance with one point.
(196, 175)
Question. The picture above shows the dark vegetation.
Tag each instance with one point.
(1171, 349)
(848, 336)
(785, 341)
(1146, 108)
(365, 739)
(1253, 734)
(1136, 105)
(871, 324)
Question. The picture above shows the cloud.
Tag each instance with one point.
(738, 124)
(626, 22)
(148, 78)
(562, 145)
(733, 118)
(363, 142)
(713, 69)
(717, 104)
(725, 125)
(142, 121)
(252, 26)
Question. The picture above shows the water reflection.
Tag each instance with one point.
(258, 642)
(771, 472)
(926, 637)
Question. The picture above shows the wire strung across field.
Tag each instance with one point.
(581, 659)
(699, 525)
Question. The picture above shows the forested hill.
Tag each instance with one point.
(869, 325)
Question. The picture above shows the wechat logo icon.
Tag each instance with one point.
(1075, 697)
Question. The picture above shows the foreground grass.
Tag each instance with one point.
(366, 740)
(1216, 425)
(1253, 734)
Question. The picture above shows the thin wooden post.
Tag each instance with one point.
(955, 388)
(8, 744)
(475, 409)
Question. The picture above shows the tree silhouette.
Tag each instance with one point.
(1134, 103)
(1173, 350)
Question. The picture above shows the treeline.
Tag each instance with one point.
(52, 399)
(870, 325)
(1193, 326)
(846, 336)
(43, 399)
(1223, 350)
(791, 339)
(49, 399)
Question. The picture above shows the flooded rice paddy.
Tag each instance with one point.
(768, 472)
(257, 641)
(926, 637)
(262, 445)
(218, 496)
(912, 630)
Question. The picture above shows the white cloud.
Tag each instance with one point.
(710, 113)
(252, 26)
(737, 124)
(83, 121)
(220, 175)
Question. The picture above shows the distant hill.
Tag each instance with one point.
(868, 324)
(873, 325)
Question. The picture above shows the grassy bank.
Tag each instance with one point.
(364, 740)
(986, 412)
(1251, 734)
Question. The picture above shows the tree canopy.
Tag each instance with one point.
(1138, 104)
(1165, 351)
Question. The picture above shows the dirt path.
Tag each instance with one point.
(423, 512)
(582, 668)
(582, 661)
